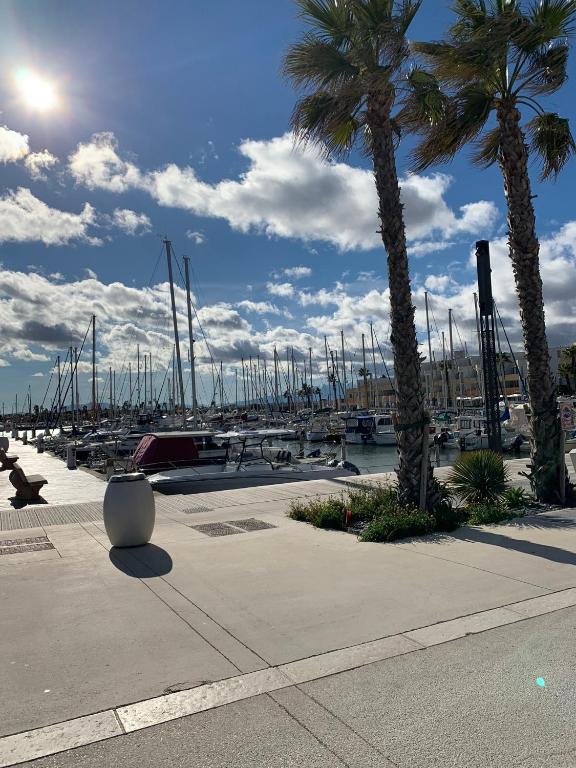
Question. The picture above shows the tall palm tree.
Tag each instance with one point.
(499, 59)
(349, 65)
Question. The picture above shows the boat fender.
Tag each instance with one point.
(349, 466)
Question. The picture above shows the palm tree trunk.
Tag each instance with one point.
(524, 252)
(412, 419)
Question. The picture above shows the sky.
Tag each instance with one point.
(171, 120)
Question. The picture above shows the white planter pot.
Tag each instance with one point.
(129, 510)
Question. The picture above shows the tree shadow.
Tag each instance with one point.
(146, 562)
(545, 551)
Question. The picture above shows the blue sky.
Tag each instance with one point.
(190, 109)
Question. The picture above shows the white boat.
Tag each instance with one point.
(385, 434)
(207, 461)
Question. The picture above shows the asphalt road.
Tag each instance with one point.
(472, 703)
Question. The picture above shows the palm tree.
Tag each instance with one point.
(567, 366)
(350, 64)
(499, 59)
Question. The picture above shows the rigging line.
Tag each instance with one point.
(72, 374)
(385, 364)
(522, 381)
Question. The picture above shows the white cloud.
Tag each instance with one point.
(130, 221)
(286, 290)
(4, 363)
(197, 237)
(13, 145)
(90, 273)
(38, 162)
(37, 375)
(439, 283)
(287, 191)
(297, 272)
(423, 249)
(259, 307)
(25, 218)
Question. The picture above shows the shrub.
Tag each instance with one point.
(490, 513)
(446, 517)
(371, 501)
(515, 498)
(405, 521)
(479, 477)
(322, 513)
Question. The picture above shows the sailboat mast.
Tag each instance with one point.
(373, 367)
(365, 373)
(344, 370)
(168, 245)
(59, 388)
(138, 376)
(192, 355)
(94, 368)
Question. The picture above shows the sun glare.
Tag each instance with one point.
(37, 93)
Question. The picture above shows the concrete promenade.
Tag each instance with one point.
(241, 637)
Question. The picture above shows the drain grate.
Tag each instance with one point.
(18, 548)
(194, 510)
(18, 542)
(251, 524)
(216, 529)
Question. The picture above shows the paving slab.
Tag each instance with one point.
(80, 635)
(292, 592)
(539, 549)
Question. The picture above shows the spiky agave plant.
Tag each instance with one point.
(479, 476)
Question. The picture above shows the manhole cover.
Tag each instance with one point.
(216, 529)
(251, 524)
(26, 548)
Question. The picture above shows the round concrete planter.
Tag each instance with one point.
(129, 510)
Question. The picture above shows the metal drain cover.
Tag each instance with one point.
(251, 524)
(194, 510)
(216, 529)
(28, 544)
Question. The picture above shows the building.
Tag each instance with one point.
(450, 383)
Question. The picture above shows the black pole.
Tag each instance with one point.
(487, 335)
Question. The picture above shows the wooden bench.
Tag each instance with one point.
(7, 461)
(27, 486)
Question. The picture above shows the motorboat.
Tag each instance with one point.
(207, 461)
(385, 433)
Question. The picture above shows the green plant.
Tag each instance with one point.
(515, 498)
(322, 513)
(447, 518)
(405, 521)
(371, 501)
(478, 477)
(489, 513)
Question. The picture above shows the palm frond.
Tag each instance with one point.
(471, 16)
(317, 63)
(487, 148)
(552, 141)
(553, 18)
(425, 104)
(329, 18)
(546, 71)
(329, 120)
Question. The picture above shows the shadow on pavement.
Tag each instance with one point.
(141, 562)
(21, 503)
(544, 551)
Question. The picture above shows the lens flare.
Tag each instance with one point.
(540, 682)
(36, 92)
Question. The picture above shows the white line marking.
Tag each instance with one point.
(467, 625)
(51, 739)
(183, 703)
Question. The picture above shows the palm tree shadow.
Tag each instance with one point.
(545, 551)
(146, 562)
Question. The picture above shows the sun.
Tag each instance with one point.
(37, 92)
